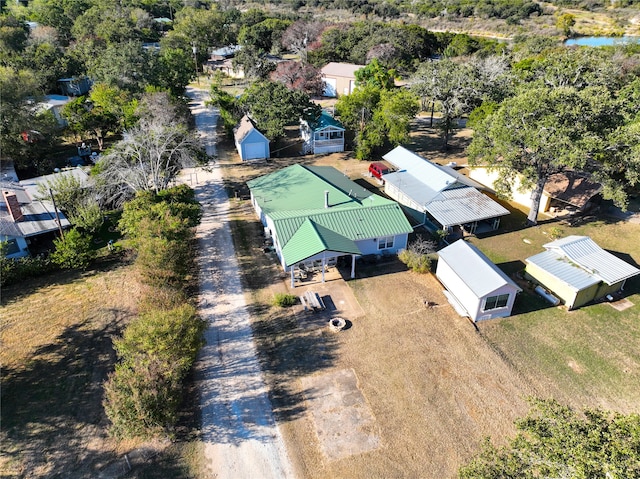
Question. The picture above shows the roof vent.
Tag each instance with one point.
(13, 206)
(326, 198)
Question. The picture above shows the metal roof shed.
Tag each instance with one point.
(577, 270)
(475, 286)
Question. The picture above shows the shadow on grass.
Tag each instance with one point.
(52, 408)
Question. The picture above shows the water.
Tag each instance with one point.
(601, 41)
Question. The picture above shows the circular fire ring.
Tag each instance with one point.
(337, 324)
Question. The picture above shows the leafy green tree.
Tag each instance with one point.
(73, 251)
(375, 74)
(556, 441)
(265, 36)
(124, 65)
(541, 132)
(86, 119)
(114, 102)
(175, 70)
(273, 106)
(356, 113)
(59, 15)
(394, 114)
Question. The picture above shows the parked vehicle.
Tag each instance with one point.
(377, 169)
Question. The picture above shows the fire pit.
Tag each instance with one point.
(337, 324)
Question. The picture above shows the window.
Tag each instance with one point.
(385, 243)
(496, 302)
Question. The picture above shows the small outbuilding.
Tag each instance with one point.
(324, 135)
(475, 287)
(339, 78)
(250, 143)
(578, 271)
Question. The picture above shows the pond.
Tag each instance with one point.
(601, 41)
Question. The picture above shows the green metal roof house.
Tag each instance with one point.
(315, 213)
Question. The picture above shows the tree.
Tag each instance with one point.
(148, 157)
(73, 250)
(451, 87)
(541, 132)
(88, 120)
(375, 74)
(556, 441)
(394, 113)
(565, 23)
(273, 106)
(299, 37)
(299, 76)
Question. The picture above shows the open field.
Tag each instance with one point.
(434, 385)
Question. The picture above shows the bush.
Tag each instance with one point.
(416, 257)
(14, 270)
(73, 251)
(156, 352)
(284, 299)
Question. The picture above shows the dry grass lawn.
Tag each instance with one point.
(56, 351)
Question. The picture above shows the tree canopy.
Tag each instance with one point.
(556, 441)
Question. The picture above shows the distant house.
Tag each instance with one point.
(439, 196)
(55, 104)
(76, 86)
(475, 287)
(339, 78)
(324, 135)
(221, 59)
(250, 143)
(578, 271)
(315, 214)
(24, 220)
(566, 191)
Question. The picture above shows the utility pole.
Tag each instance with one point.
(55, 208)
(195, 61)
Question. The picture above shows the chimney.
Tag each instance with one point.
(326, 198)
(13, 206)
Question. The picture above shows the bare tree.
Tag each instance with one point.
(148, 157)
(300, 35)
(299, 76)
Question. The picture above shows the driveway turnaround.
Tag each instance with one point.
(241, 437)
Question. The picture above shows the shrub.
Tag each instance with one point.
(156, 351)
(416, 257)
(284, 299)
(14, 270)
(73, 251)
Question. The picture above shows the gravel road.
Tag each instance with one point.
(242, 439)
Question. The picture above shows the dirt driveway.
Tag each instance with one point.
(241, 438)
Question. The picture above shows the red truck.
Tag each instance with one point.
(377, 169)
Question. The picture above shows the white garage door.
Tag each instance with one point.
(254, 150)
(329, 87)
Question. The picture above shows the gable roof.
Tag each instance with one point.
(450, 197)
(294, 198)
(579, 261)
(347, 70)
(244, 128)
(323, 121)
(477, 271)
(312, 238)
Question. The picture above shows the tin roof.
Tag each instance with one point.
(578, 255)
(477, 271)
(325, 120)
(294, 198)
(39, 216)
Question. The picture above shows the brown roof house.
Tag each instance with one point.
(251, 144)
(339, 78)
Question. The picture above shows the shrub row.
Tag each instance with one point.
(14, 270)
(159, 347)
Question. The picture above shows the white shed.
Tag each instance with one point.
(251, 144)
(475, 287)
